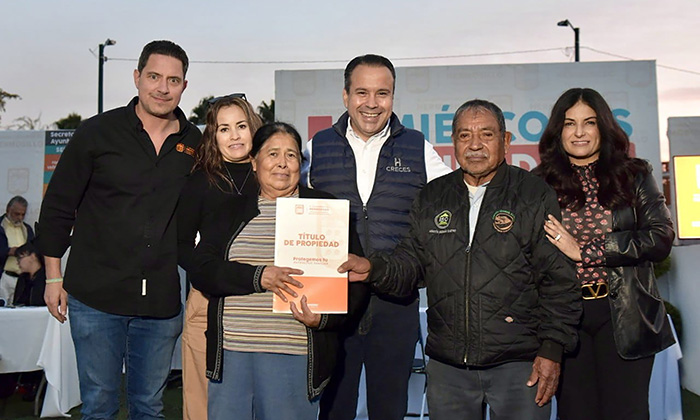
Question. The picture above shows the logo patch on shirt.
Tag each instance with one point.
(443, 219)
(503, 221)
(398, 167)
(180, 147)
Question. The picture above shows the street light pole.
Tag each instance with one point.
(100, 72)
(576, 37)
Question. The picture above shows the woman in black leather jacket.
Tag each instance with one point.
(615, 225)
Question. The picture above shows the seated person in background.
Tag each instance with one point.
(13, 234)
(28, 292)
(32, 280)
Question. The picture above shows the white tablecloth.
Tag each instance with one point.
(31, 339)
(22, 332)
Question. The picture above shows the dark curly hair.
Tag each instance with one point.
(208, 158)
(615, 169)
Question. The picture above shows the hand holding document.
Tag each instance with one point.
(278, 281)
(304, 314)
(358, 268)
(312, 235)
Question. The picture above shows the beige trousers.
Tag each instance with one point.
(194, 358)
(8, 284)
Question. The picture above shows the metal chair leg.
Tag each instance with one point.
(40, 395)
(425, 394)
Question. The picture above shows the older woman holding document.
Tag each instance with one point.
(263, 365)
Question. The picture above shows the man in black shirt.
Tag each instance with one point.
(116, 187)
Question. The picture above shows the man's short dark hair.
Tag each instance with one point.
(163, 47)
(27, 249)
(368, 60)
(18, 199)
(480, 104)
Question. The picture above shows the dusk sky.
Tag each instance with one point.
(46, 44)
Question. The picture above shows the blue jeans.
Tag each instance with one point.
(104, 343)
(261, 386)
(462, 393)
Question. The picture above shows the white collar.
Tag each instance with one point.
(382, 135)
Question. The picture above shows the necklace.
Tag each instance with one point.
(238, 190)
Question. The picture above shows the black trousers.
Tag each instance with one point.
(596, 383)
(385, 343)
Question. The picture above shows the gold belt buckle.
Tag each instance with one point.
(594, 291)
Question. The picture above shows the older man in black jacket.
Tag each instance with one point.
(503, 301)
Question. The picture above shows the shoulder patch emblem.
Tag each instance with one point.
(503, 221)
(443, 219)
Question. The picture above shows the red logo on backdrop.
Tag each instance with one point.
(525, 156)
(318, 123)
(522, 155)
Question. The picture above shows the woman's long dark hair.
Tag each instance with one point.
(615, 169)
(208, 158)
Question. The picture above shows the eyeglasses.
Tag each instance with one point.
(212, 101)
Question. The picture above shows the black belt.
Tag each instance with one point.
(11, 273)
